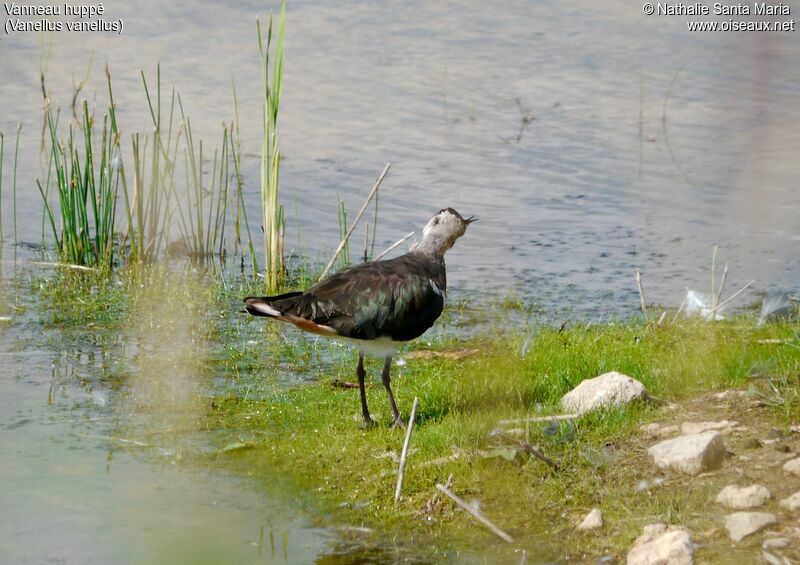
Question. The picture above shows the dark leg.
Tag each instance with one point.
(387, 365)
(361, 373)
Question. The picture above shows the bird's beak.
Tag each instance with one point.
(471, 219)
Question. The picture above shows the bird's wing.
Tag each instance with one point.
(399, 298)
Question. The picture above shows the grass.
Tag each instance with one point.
(310, 434)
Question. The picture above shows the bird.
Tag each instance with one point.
(377, 305)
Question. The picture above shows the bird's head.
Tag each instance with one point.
(442, 231)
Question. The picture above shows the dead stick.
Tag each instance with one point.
(731, 297)
(475, 514)
(638, 276)
(355, 222)
(404, 454)
(395, 244)
(528, 448)
(65, 266)
(429, 506)
(680, 308)
(553, 418)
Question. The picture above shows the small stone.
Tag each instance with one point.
(782, 448)
(792, 466)
(593, 520)
(775, 543)
(752, 443)
(607, 390)
(791, 503)
(657, 431)
(660, 544)
(700, 427)
(690, 454)
(741, 498)
(742, 524)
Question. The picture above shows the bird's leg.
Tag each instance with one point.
(387, 365)
(361, 373)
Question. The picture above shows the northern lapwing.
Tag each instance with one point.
(375, 305)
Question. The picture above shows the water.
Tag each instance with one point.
(589, 139)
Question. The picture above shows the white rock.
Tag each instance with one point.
(742, 524)
(793, 466)
(662, 545)
(593, 520)
(690, 454)
(657, 431)
(609, 389)
(700, 427)
(741, 498)
(775, 543)
(791, 503)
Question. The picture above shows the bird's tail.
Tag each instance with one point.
(269, 306)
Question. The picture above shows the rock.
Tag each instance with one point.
(741, 498)
(772, 559)
(660, 544)
(723, 426)
(793, 466)
(657, 431)
(791, 503)
(742, 524)
(691, 454)
(609, 389)
(752, 443)
(775, 543)
(593, 520)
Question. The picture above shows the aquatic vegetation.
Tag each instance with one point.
(87, 193)
(273, 213)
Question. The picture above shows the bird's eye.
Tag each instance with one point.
(436, 221)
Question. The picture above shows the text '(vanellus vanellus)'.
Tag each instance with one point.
(375, 305)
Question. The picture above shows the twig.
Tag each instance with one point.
(722, 283)
(662, 318)
(714, 295)
(638, 276)
(475, 514)
(680, 308)
(65, 266)
(395, 244)
(554, 418)
(731, 297)
(528, 448)
(355, 222)
(432, 502)
(404, 454)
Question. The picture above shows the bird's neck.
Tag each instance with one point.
(434, 245)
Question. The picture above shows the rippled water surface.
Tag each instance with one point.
(589, 139)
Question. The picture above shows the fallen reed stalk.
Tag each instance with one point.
(554, 418)
(344, 240)
(475, 513)
(403, 456)
(395, 244)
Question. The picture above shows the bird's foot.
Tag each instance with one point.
(399, 423)
(367, 423)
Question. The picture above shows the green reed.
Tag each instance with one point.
(344, 256)
(273, 213)
(87, 192)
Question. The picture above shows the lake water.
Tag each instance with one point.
(588, 138)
